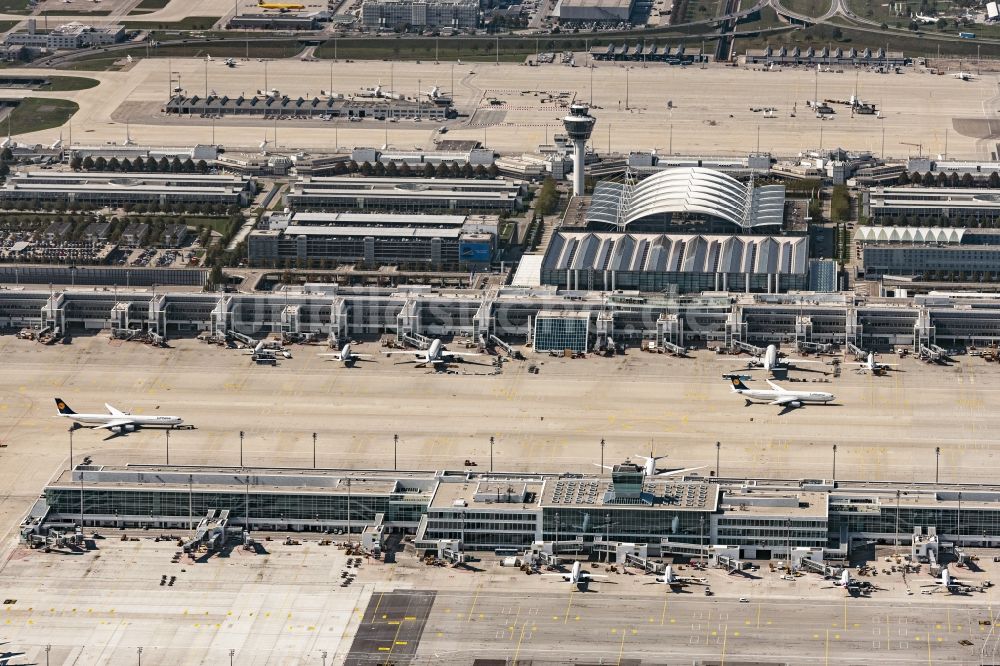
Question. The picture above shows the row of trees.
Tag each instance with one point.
(138, 165)
(547, 198)
(404, 170)
(191, 208)
(942, 179)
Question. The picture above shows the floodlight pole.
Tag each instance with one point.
(834, 463)
(314, 450)
(167, 432)
(241, 448)
(395, 443)
(491, 454)
(718, 448)
(937, 464)
(602, 456)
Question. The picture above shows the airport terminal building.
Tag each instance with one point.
(684, 263)
(654, 516)
(925, 323)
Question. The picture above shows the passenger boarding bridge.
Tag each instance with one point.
(338, 314)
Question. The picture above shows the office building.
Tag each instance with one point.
(119, 189)
(371, 240)
(405, 14)
(922, 206)
(67, 36)
(404, 194)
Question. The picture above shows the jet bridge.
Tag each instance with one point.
(211, 532)
(670, 333)
(53, 321)
(416, 340)
(859, 353)
(339, 322)
(222, 317)
(813, 347)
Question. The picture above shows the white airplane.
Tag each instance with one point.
(873, 366)
(923, 18)
(116, 420)
(229, 62)
(208, 57)
(771, 361)
(845, 581)
(947, 583)
(128, 58)
(375, 92)
(673, 580)
(576, 575)
(435, 355)
(650, 468)
(962, 76)
(346, 356)
(778, 396)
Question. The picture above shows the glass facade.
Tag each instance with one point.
(632, 525)
(141, 505)
(556, 332)
(483, 529)
(977, 524)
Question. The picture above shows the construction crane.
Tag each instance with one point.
(918, 146)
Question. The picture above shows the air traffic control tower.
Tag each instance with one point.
(579, 126)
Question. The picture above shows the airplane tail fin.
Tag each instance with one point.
(737, 383)
(63, 407)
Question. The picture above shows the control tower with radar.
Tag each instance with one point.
(579, 126)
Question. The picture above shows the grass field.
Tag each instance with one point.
(910, 44)
(14, 6)
(65, 83)
(768, 18)
(34, 114)
(7, 25)
(876, 11)
(807, 7)
(98, 64)
(76, 12)
(151, 5)
(218, 224)
(484, 49)
(105, 61)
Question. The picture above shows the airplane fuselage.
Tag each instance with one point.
(137, 421)
(767, 395)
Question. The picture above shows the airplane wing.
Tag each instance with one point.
(677, 471)
(410, 353)
(335, 356)
(353, 355)
(798, 360)
(783, 400)
(113, 411)
(451, 353)
(776, 387)
(113, 424)
(587, 575)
